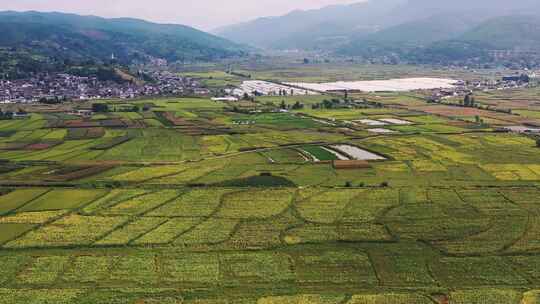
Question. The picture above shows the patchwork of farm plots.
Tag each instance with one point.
(419, 159)
(301, 241)
(186, 203)
(464, 221)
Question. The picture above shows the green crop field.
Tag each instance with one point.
(200, 202)
(319, 153)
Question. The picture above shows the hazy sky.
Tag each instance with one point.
(203, 14)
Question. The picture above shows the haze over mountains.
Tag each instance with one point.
(387, 31)
(396, 26)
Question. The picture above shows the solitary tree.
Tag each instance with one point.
(467, 100)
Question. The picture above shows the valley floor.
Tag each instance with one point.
(192, 202)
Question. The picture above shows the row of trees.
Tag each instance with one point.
(350, 185)
(285, 93)
(327, 104)
(296, 106)
(104, 108)
(53, 100)
(9, 115)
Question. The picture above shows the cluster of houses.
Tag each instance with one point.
(60, 86)
(463, 88)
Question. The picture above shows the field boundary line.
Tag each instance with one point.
(35, 228)
(38, 153)
(131, 241)
(123, 201)
(51, 220)
(298, 214)
(141, 215)
(133, 218)
(96, 212)
(134, 239)
(210, 216)
(160, 176)
(15, 211)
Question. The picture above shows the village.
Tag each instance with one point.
(58, 87)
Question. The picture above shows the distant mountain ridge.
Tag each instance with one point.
(517, 36)
(276, 32)
(404, 29)
(507, 32)
(76, 37)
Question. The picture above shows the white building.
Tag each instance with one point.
(228, 98)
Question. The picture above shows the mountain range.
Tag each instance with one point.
(413, 31)
(405, 28)
(35, 39)
(330, 23)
